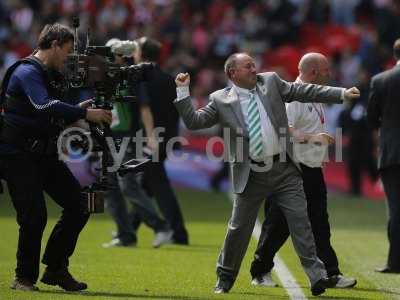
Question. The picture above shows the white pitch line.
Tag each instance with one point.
(289, 283)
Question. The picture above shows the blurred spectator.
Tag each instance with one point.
(342, 11)
(22, 17)
(281, 24)
(200, 34)
(349, 68)
(360, 156)
(387, 20)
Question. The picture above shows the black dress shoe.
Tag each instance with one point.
(387, 270)
(183, 242)
(181, 237)
(321, 285)
(222, 286)
(63, 279)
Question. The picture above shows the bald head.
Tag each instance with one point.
(311, 61)
(314, 68)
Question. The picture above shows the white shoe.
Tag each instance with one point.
(345, 282)
(265, 280)
(23, 285)
(116, 242)
(163, 237)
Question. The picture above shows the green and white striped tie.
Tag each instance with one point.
(254, 127)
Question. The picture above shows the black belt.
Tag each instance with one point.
(275, 158)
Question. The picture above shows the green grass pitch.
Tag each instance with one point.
(181, 272)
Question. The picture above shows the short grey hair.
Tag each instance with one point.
(230, 63)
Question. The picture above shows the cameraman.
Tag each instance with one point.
(157, 110)
(30, 165)
(125, 124)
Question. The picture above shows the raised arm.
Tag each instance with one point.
(304, 92)
(194, 119)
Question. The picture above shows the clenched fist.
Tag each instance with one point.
(182, 79)
(351, 94)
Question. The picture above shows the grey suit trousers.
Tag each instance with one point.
(283, 182)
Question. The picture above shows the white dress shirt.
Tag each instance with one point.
(308, 118)
(269, 135)
(271, 145)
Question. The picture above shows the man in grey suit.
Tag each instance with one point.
(252, 112)
(308, 127)
(383, 114)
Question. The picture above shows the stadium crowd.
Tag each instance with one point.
(197, 36)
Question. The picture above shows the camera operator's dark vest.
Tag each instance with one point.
(20, 136)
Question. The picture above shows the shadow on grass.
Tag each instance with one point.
(264, 295)
(378, 290)
(192, 248)
(339, 297)
(118, 295)
(355, 289)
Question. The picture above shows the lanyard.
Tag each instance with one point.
(319, 112)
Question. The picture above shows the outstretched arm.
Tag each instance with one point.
(304, 92)
(194, 119)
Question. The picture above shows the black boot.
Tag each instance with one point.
(63, 279)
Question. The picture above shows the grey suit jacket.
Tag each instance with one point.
(383, 113)
(224, 108)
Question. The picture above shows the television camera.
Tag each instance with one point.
(95, 70)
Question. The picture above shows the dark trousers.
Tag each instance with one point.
(360, 158)
(28, 176)
(157, 183)
(221, 174)
(390, 180)
(116, 205)
(144, 208)
(275, 229)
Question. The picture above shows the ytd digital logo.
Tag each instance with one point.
(74, 144)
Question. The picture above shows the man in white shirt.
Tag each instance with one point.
(307, 124)
(253, 116)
